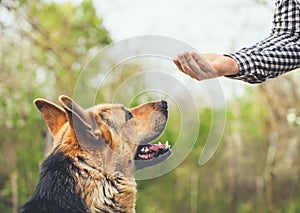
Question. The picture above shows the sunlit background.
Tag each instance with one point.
(45, 46)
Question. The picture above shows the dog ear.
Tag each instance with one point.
(54, 116)
(80, 121)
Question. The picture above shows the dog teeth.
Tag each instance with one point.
(145, 149)
(146, 156)
(167, 145)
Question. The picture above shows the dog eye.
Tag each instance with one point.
(128, 115)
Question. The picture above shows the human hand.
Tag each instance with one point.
(195, 65)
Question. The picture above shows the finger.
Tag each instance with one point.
(202, 62)
(177, 63)
(195, 70)
(204, 65)
(185, 64)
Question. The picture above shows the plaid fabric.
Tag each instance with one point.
(277, 54)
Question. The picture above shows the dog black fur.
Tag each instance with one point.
(55, 192)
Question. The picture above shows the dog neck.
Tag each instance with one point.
(104, 192)
(80, 188)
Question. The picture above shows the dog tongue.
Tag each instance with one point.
(156, 147)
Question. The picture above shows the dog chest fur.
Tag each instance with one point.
(65, 187)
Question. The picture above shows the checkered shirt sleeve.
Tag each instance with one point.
(277, 54)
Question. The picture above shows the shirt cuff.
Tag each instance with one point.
(247, 68)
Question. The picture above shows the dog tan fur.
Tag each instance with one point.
(95, 155)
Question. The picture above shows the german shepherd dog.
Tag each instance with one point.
(95, 155)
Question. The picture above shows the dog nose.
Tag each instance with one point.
(163, 104)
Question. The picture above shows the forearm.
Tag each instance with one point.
(224, 65)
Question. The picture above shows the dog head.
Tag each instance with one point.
(107, 137)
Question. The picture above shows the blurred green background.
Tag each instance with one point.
(256, 169)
